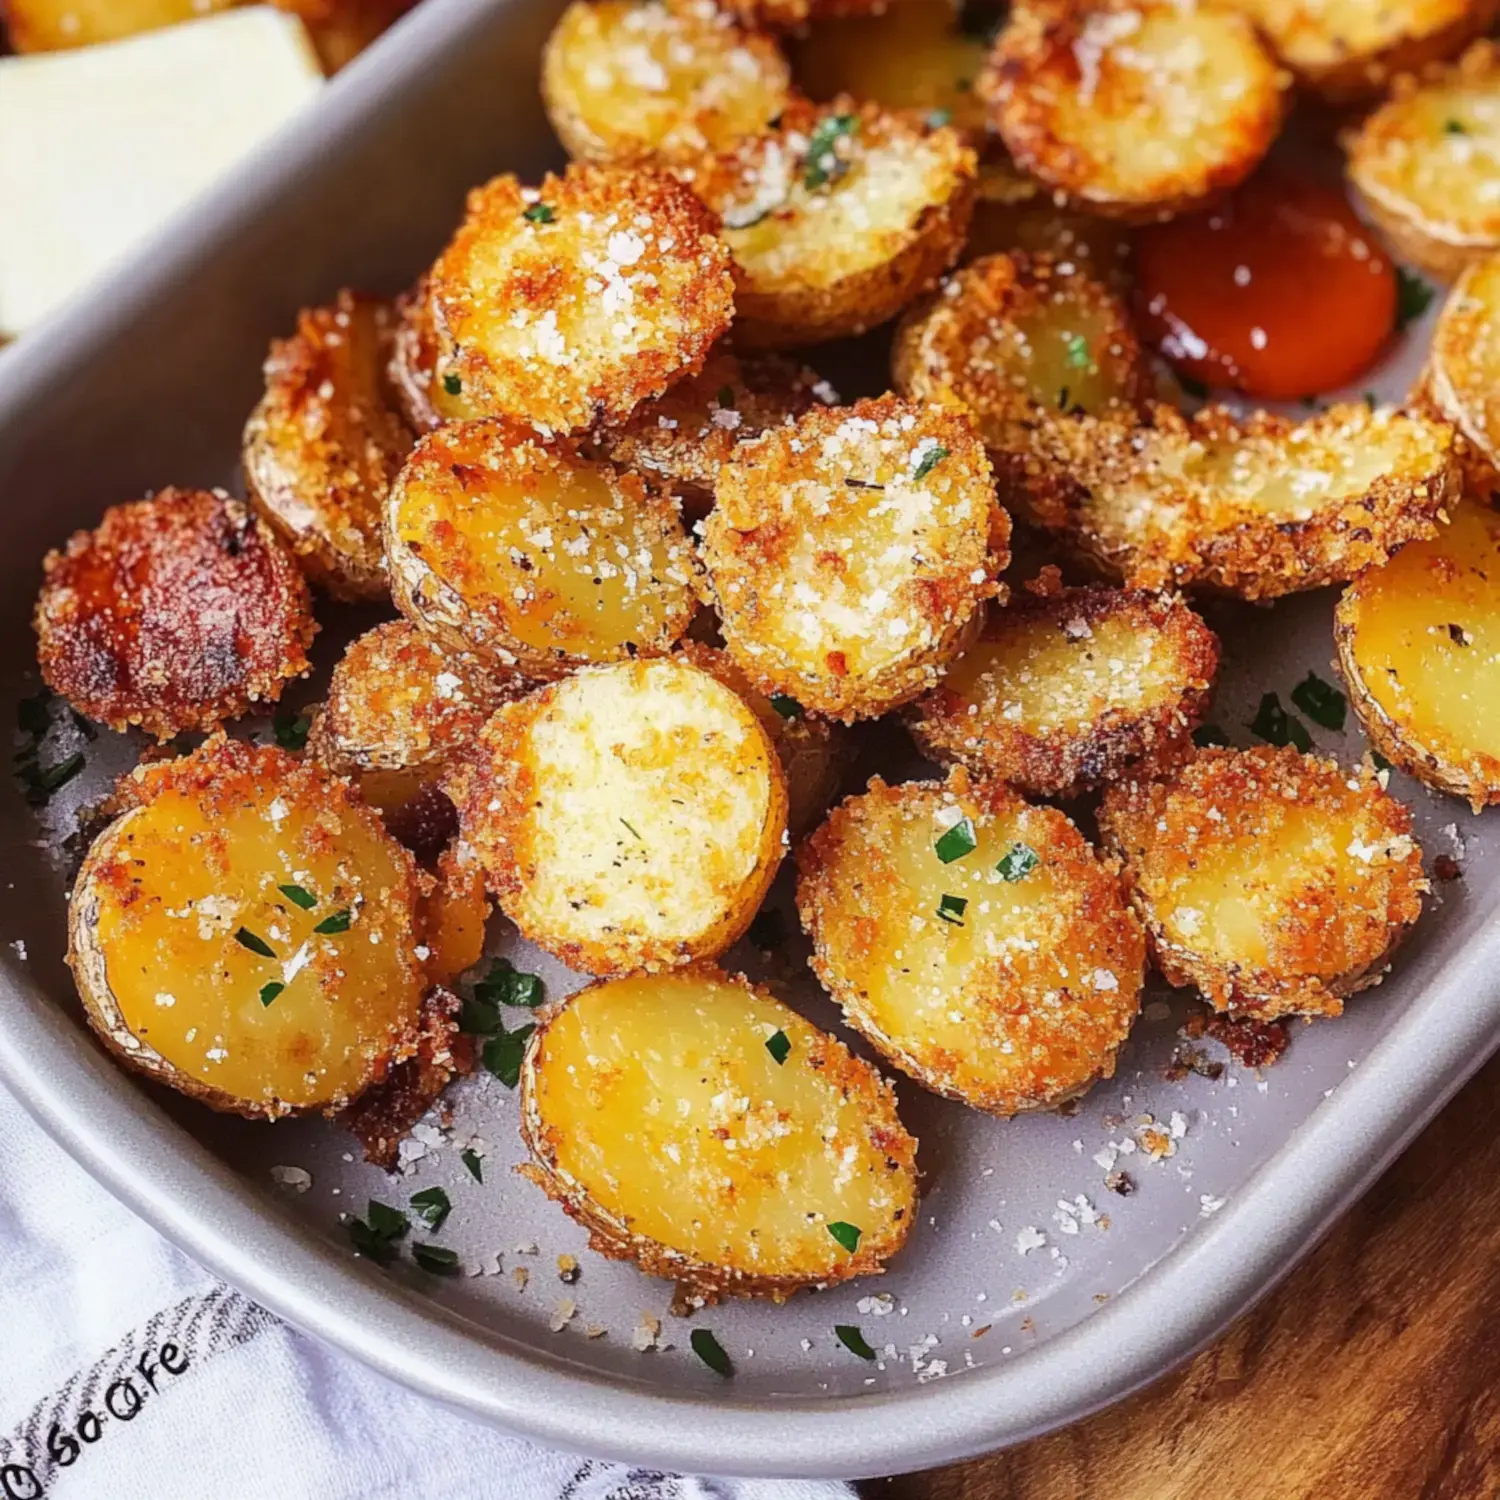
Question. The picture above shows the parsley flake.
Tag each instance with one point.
(539, 213)
(952, 908)
(1322, 702)
(929, 461)
(779, 1046)
(247, 939)
(848, 1235)
(472, 1160)
(376, 1234)
(389, 1223)
(505, 984)
(503, 1054)
(823, 163)
(436, 1260)
(853, 1340)
(1018, 862)
(299, 895)
(452, 384)
(41, 781)
(787, 707)
(268, 992)
(1455, 127)
(1078, 352)
(432, 1207)
(338, 922)
(711, 1352)
(937, 118)
(1413, 296)
(956, 842)
(1274, 725)
(290, 729)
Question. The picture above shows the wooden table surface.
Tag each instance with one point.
(1371, 1373)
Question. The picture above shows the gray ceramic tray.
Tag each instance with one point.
(983, 1341)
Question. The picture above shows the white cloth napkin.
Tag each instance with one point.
(127, 1370)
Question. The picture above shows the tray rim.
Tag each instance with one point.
(92, 1108)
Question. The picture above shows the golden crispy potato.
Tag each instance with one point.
(629, 80)
(684, 435)
(321, 448)
(695, 1125)
(1461, 382)
(52, 25)
(850, 553)
(246, 931)
(1277, 883)
(533, 558)
(1015, 212)
(1346, 51)
(427, 389)
(977, 941)
(1257, 507)
(177, 612)
(570, 303)
(629, 817)
(837, 218)
(1067, 690)
(916, 54)
(454, 914)
(1138, 109)
(1419, 647)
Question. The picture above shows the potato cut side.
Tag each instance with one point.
(426, 387)
(1013, 211)
(1277, 883)
(977, 941)
(561, 305)
(629, 817)
(1137, 110)
(53, 25)
(532, 557)
(1257, 507)
(1419, 647)
(1063, 692)
(628, 81)
(837, 218)
(1461, 383)
(454, 914)
(325, 442)
(177, 612)
(1346, 51)
(850, 553)
(246, 932)
(699, 1127)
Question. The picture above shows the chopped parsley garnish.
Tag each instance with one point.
(338, 922)
(779, 1046)
(1455, 127)
(929, 461)
(1413, 296)
(937, 118)
(389, 1223)
(1193, 386)
(1078, 352)
(369, 1244)
(848, 1235)
(711, 1352)
(472, 1160)
(436, 1260)
(958, 841)
(1274, 725)
(853, 1340)
(768, 930)
(268, 992)
(1207, 735)
(1018, 862)
(41, 781)
(726, 398)
(452, 384)
(376, 1234)
(1322, 702)
(503, 1053)
(299, 895)
(539, 213)
(247, 939)
(290, 729)
(505, 984)
(823, 164)
(432, 1207)
(1062, 399)
(952, 908)
(787, 707)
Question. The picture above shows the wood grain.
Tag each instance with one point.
(1373, 1371)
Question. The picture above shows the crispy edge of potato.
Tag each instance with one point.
(1038, 61)
(198, 547)
(610, 1237)
(1453, 386)
(789, 15)
(323, 444)
(1253, 558)
(1251, 776)
(1060, 762)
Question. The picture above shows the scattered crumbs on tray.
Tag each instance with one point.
(293, 1179)
(1029, 1239)
(563, 1312)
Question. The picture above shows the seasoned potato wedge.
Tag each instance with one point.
(324, 443)
(532, 557)
(176, 612)
(561, 305)
(52, 25)
(1277, 883)
(977, 941)
(1138, 109)
(427, 389)
(1068, 690)
(1461, 383)
(246, 931)
(699, 1127)
(629, 80)
(629, 817)
(850, 553)
(1257, 507)
(1348, 50)
(1419, 647)
(684, 435)
(1013, 211)
(837, 218)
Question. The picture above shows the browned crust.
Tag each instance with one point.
(1455, 386)
(1057, 762)
(177, 612)
(788, 15)
(1333, 942)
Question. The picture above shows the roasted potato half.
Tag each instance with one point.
(695, 1125)
(1071, 689)
(426, 388)
(850, 553)
(1347, 51)
(573, 302)
(532, 558)
(52, 25)
(1013, 211)
(1419, 647)
(1277, 883)
(325, 442)
(1139, 109)
(837, 218)
(977, 941)
(176, 612)
(632, 80)
(1257, 507)
(246, 931)
(629, 817)
(1461, 383)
